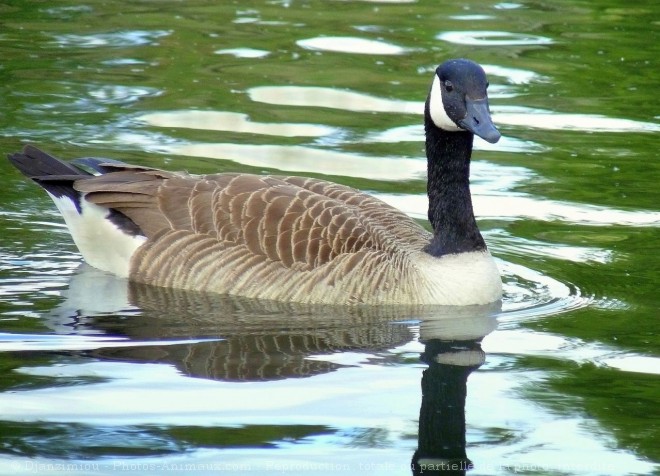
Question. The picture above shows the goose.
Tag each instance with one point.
(290, 238)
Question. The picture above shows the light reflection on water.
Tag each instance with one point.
(502, 115)
(522, 206)
(493, 38)
(112, 40)
(243, 52)
(232, 121)
(311, 96)
(345, 44)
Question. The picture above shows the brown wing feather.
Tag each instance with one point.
(301, 223)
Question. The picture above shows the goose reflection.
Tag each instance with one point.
(237, 339)
(249, 340)
(451, 355)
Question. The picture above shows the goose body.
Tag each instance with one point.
(289, 238)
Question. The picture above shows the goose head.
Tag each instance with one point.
(458, 100)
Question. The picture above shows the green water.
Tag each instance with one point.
(99, 377)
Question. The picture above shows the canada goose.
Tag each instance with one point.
(290, 238)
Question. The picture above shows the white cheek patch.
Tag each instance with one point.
(437, 109)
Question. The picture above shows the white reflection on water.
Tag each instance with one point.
(492, 38)
(310, 96)
(544, 119)
(514, 75)
(528, 342)
(114, 39)
(118, 94)
(58, 342)
(307, 159)
(472, 17)
(508, 6)
(634, 363)
(533, 446)
(502, 115)
(232, 121)
(522, 206)
(243, 52)
(159, 394)
(415, 133)
(503, 241)
(350, 44)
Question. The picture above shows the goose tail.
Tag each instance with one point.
(51, 173)
(106, 238)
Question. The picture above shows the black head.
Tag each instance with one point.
(458, 99)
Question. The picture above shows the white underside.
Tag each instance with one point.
(101, 243)
(437, 109)
(458, 279)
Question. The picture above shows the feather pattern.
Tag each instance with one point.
(283, 238)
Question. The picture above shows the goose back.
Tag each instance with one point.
(274, 237)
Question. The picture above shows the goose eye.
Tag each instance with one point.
(448, 86)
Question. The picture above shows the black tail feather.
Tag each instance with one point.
(37, 164)
(54, 175)
(58, 177)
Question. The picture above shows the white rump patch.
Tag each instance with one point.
(437, 109)
(102, 244)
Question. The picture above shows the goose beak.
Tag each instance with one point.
(478, 120)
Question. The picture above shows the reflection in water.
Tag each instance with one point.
(452, 351)
(503, 115)
(491, 203)
(415, 133)
(492, 38)
(115, 39)
(441, 434)
(245, 339)
(297, 158)
(117, 94)
(243, 52)
(545, 119)
(249, 340)
(310, 96)
(232, 121)
(514, 75)
(253, 340)
(349, 44)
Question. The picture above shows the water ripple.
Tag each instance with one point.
(492, 38)
(529, 294)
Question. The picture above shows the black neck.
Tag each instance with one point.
(450, 203)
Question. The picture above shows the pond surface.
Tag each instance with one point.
(102, 377)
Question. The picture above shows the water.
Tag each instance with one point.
(100, 376)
